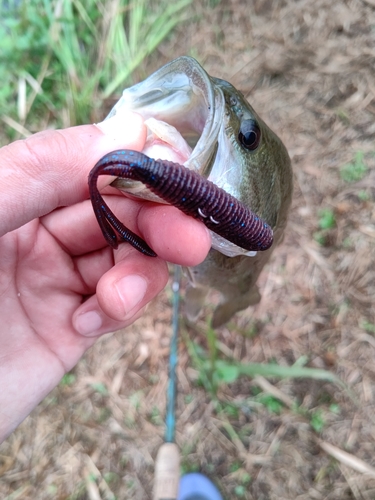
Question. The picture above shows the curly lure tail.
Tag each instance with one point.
(183, 188)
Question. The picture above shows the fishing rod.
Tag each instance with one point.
(167, 464)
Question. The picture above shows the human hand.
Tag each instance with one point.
(61, 286)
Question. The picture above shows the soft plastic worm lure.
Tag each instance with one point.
(183, 188)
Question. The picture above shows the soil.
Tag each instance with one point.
(308, 68)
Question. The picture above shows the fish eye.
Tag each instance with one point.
(249, 134)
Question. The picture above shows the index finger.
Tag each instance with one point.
(50, 169)
(174, 236)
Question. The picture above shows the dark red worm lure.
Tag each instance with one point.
(183, 188)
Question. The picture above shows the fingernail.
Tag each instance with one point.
(131, 291)
(88, 323)
(112, 127)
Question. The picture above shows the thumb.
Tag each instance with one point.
(50, 169)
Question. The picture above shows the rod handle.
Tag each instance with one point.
(167, 472)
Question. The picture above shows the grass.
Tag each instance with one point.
(326, 221)
(214, 371)
(368, 327)
(61, 60)
(326, 218)
(356, 170)
(68, 379)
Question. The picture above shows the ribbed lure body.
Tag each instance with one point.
(183, 188)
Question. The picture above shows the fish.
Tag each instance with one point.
(205, 124)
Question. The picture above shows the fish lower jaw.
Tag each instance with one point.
(228, 248)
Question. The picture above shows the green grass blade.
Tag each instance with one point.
(231, 371)
(137, 48)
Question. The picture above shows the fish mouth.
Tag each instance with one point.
(182, 95)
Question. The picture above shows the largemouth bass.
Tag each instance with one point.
(207, 125)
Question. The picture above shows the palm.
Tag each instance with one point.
(43, 288)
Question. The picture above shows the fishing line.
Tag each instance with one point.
(173, 360)
(167, 464)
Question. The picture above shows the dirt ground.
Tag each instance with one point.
(308, 68)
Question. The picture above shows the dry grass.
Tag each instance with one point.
(309, 70)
